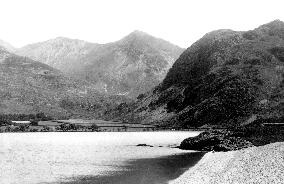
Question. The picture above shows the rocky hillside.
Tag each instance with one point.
(130, 66)
(28, 86)
(226, 78)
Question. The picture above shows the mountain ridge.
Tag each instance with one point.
(131, 65)
(7, 46)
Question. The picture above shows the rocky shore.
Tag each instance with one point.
(215, 140)
(262, 165)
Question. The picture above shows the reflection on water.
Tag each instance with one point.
(158, 170)
(54, 156)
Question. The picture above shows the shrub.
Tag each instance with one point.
(278, 52)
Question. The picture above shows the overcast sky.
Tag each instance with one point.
(181, 22)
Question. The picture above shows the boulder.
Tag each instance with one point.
(144, 145)
(215, 140)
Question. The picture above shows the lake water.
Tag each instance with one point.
(85, 157)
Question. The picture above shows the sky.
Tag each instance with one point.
(181, 22)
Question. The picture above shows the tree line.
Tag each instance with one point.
(6, 119)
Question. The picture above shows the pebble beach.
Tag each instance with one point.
(255, 165)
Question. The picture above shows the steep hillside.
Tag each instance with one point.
(130, 66)
(29, 86)
(224, 79)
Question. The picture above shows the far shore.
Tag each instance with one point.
(189, 130)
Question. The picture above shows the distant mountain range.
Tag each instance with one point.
(130, 66)
(226, 78)
(73, 78)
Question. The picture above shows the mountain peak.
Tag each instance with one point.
(275, 24)
(273, 28)
(7, 46)
(137, 34)
(66, 39)
(61, 38)
(276, 21)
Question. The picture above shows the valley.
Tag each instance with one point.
(227, 80)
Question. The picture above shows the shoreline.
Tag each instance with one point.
(188, 130)
(263, 164)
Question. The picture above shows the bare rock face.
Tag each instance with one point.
(128, 67)
(215, 141)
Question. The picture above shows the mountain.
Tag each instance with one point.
(28, 86)
(130, 66)
(226, 78)
(61, 53)
(7, 46)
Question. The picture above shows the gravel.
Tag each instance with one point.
(255, 165)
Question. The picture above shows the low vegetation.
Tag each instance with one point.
(6, 119)
(261, 132)
(7, 125)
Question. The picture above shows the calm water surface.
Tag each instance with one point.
(54, 157)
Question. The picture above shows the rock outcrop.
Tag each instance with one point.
(215, 140)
